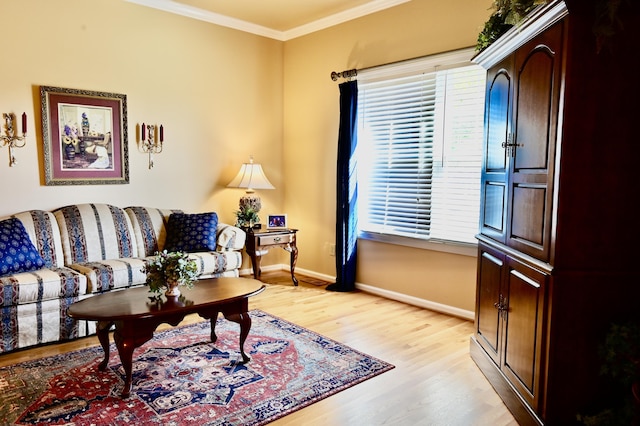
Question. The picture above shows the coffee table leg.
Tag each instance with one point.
(102, 330)
(125, 350)
(214, 320)
(245, 325)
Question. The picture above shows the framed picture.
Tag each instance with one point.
(277, 221)
(85, 137)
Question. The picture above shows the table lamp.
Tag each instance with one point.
(250, 177)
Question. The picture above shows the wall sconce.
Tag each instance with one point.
(11, 138)
(151, 140)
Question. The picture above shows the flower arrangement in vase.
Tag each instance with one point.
(170, 270)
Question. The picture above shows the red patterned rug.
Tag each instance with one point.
(180, 377)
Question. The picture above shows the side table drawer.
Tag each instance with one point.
(267, 240)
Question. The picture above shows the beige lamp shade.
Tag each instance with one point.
(251, 177)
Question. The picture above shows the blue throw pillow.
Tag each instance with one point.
(17, 252)
(191, 232)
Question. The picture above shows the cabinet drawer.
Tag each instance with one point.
(267, 240)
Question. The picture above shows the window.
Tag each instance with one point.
(420, 149)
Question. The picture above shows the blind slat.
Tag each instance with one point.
(420, 148)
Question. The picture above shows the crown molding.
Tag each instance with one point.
(341, 17)
(238, 24)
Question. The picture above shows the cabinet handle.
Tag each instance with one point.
(277, 239)
(511, 146)
(502, 307)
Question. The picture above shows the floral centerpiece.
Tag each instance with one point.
(170, 270)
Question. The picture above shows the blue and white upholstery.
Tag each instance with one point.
(34, 304)
(89, 249)
(98, 242)
(150, 229)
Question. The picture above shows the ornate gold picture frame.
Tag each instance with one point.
(85, 137)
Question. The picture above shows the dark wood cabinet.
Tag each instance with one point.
(555, 253)
(510, 319)
(521, 121)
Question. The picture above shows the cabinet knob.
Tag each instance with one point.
(277, 239)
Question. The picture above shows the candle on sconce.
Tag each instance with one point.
(143, 131)
(24, 123)
(161, 133)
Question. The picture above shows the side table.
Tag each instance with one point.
(259, 241)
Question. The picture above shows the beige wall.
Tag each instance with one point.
(414, 29)
(218, 93)
(223, 95)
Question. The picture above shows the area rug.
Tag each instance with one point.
(180, 377)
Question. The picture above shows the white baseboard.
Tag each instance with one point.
(416, 301)
(284, 267)
(388, 294)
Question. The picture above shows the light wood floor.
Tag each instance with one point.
(434, 381)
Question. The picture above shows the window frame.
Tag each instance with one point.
(428, 64)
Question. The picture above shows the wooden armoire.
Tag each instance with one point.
(559, 231)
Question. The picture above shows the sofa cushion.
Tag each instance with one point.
(112, 274)
(40, 285)
(191, 232)
(95, 232)
(149, 228)
(17, 252)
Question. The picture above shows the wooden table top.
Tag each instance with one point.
(136, 302)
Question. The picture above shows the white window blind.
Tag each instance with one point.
(420, 151)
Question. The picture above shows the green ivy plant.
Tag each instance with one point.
(246, 218)
(608, 19)
(506, 14)
(247, 214)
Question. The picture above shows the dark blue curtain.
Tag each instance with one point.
(347, 191)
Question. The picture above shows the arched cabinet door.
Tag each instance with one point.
(532, 153)
(495, 165)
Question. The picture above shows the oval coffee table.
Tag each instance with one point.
(136, 316)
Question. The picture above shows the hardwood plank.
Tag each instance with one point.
(435, 382)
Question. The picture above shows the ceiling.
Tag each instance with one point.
(277, 19)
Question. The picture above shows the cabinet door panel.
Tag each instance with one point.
(495, 168)
(527, 224)
(537, 97)
(524, 334)
(497, 120)
(535, 82)
(495, 196)
(488, 329)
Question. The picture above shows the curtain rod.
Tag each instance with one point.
(452, 53)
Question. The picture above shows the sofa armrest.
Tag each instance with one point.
(230, 237)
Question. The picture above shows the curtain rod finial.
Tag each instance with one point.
(344, 74)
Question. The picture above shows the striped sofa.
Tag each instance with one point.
(88, 249)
